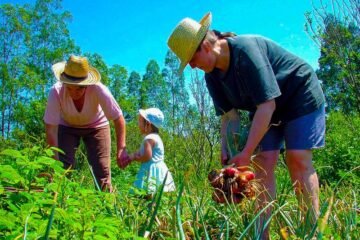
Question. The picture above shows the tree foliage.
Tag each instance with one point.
(133, 94)
(178, 94)
(153, 91)
(118, 77)
(334, 26)
(33, 37)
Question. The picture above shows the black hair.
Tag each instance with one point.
(222, 35)
(213, 35)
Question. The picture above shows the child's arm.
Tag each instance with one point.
(146, 156)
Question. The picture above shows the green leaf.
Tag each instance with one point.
(12, 153)
(7, 220)
(10, 175)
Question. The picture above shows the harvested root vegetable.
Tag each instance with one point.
(230, 172)
(219, 196)
(213, 174)
(249, 175)
(232, 184)
(236, 198)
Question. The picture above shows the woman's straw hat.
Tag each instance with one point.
(186, 38)
(76, 71)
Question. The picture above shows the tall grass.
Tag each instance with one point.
(30, 210)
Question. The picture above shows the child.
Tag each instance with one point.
(153, 169)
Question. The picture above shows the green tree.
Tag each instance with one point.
(202, 126)
(334, 26)
(179, 97)
(48, 42)
(134, 84)
(33, 37)
(31, 117)
(153, 91)
(98, 62)
(118, 76)
(133, 93)
(12, 35)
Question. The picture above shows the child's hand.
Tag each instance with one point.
(124, 160)
(135, 156)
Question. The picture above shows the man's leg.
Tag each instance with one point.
(264, 164)
(304, 178)
(301, 135)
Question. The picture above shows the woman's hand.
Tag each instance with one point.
(120, 130)
(52, 137)
(124, 159)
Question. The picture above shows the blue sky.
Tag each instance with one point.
(131, 33)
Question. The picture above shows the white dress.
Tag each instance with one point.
(152, 173)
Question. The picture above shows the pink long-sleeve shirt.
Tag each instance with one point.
(99, 107)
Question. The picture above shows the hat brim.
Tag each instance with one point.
(205, 23)
(142, 113)
(92, 78)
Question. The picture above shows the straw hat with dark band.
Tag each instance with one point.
(186, 38)
(76, 71)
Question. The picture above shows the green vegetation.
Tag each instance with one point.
(38, 195)
(41, 200)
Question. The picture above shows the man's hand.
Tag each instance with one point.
(241, 159)
(224, 155)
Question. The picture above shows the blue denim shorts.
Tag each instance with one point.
(305, 132)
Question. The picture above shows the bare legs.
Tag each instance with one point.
(303, 176)
(304, 179)
(264, 164)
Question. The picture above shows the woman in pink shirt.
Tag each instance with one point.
(79, 107)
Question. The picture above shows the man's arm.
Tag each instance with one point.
(259, 127)
(229, 120)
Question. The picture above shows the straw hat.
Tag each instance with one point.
(186, 38)
(76, 71)
(153, 115)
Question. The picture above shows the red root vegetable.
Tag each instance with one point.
(218, 182)
(249, 175)
(237, 198)
(232, 184)
(218, 196)
(237, 188)
(213, 174)
(230, 172)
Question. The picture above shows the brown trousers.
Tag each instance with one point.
(98, 147)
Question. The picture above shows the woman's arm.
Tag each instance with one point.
(52, 136)
(120, 130)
